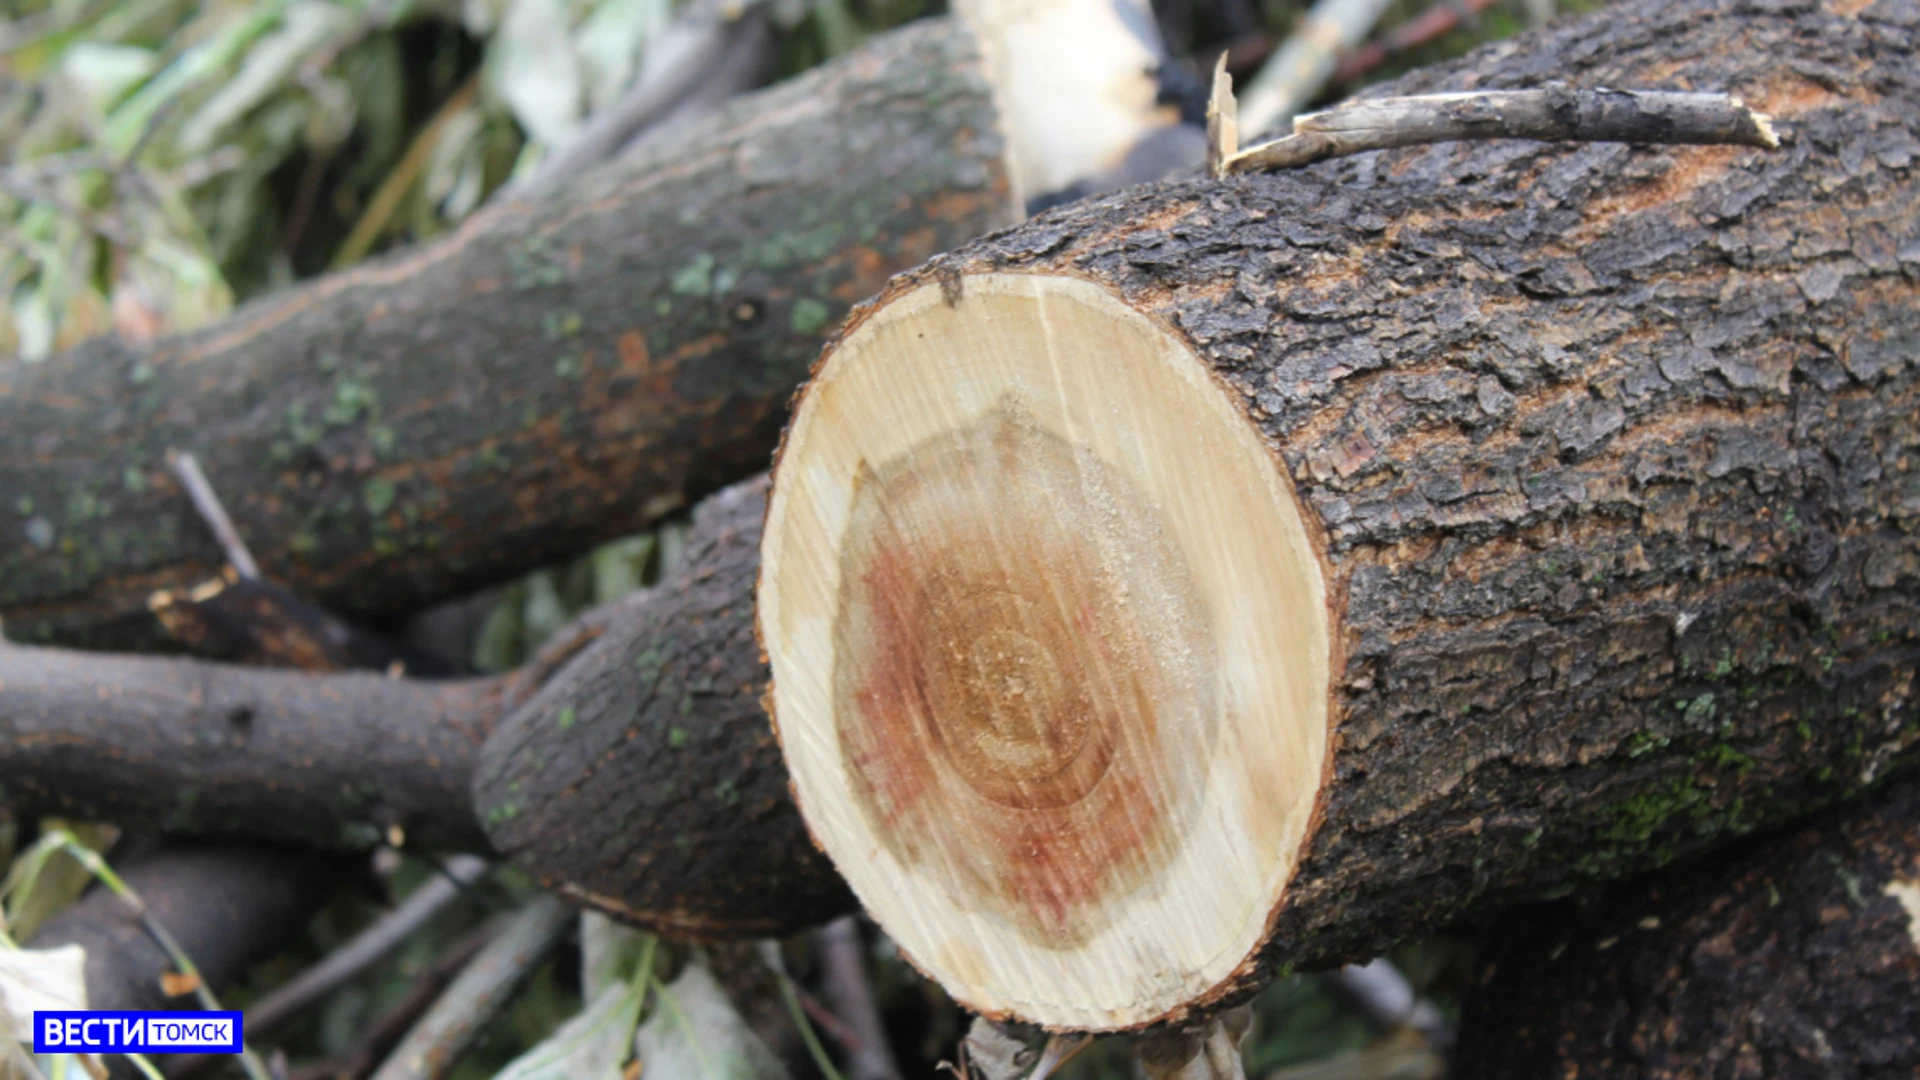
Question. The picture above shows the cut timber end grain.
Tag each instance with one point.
(1050, 649)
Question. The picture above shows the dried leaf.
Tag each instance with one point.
(696, 1034)
(178, 983)
(591, 1046)
(33, 979)
(992, 1054)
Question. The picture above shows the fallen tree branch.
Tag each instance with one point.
(204, 749)
(561, 370)
(196, 748)
(644, 780)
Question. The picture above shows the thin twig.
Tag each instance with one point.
(368, 947)
(836, 1029)
(845, 983)
(1292, 77)
(383, 1034)
(481, 990)
(1059, 1049)
(187, 468)
(1554, 113)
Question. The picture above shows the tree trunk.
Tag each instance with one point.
(1221, 575)
(559, 371)
(1794, 955)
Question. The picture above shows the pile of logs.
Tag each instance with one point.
(1190, 583)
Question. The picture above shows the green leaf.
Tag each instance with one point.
(307, 29)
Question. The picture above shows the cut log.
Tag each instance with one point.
(1796, 954)
(1221, 575)
(559, 371)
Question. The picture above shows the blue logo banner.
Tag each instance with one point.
(89, 1031)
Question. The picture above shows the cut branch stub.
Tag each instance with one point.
(1050, 648)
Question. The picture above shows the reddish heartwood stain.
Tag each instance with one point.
(1023, 687)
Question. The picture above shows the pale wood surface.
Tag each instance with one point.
(1050, 649)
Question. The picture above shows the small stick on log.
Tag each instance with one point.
(481, 990)
(1555, 113)
(186, 468)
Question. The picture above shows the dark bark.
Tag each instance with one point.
(1613, 453)
(195, 748)
(227, 906)
(263, 624)
(192, 748)
(1611, 450)
(645, 781)
(1786, 956)
(561, 370)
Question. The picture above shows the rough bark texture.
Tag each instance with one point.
(195, 748)
(1793, 955)
(1612, 450)
(557, 372)
(227, 906)
(645, 781)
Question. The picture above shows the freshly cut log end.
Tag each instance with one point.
(1050, 649)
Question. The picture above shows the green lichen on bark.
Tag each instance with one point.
(619, 347)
